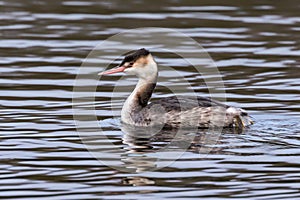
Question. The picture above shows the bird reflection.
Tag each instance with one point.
(144, 149)
(151, 148)
(137, 181)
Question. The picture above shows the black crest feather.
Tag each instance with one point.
(134, 56)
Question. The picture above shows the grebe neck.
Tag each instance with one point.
(138, 99)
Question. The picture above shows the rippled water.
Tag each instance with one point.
(255, 45)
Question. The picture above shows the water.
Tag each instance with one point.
(256, 47)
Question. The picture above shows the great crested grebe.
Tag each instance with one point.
(175, 111)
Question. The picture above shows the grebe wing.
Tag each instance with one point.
(183, 103)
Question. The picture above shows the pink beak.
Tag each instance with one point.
(113, 70)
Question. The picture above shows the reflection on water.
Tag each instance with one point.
(149, 149)
(255, 45)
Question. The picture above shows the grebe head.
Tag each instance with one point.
(139, 63)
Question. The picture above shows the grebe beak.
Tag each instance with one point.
(113, 70)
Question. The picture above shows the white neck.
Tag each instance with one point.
(140, 96)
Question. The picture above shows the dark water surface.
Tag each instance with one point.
(256, 46)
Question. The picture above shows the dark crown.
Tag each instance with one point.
(134, 56)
